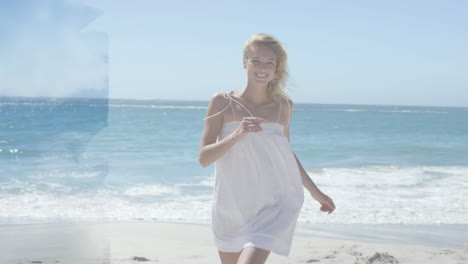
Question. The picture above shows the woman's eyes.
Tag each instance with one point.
(258, 62)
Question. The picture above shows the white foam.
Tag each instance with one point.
(13, 186)
(346, 110)
(387, 111)
(414, 111)
(104, 206)
(368, 195)
(152, 106)
(391, 194)
(24, 103)
(208, 182)
(355, 110)
(154, 190)
(67, 174)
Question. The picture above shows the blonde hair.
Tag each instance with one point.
(277, 87)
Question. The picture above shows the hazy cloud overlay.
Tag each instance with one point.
(45, 52)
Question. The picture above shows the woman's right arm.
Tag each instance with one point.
(210, 150)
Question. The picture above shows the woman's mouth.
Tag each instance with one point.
(261, 75)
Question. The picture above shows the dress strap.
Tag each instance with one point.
(279, 112)
(289, 110)
(225, 95)
(230, 96)
(232, 106)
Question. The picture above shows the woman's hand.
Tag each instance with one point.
(326, 203)
(247, 125)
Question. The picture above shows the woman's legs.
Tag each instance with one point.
(248, 255)
(253, 255)
(229, 257)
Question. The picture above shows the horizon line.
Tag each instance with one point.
(187, 100)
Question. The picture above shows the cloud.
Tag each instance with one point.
(45, 52)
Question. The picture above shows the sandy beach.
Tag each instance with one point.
(156, 242)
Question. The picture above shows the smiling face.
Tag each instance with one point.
(260, 63)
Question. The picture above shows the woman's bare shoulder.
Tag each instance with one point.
(285, 110)
(218, 100)
(288, 101)
(219, 95)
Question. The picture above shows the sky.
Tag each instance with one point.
(339, 52)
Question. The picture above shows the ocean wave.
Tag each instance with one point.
(26, 103)
(414, 111)
(152, 190)
(369, 195)
(345, 110)
(400, 176)
(150, 106)
(375, 210)
(10, 152)
(109, 105)
(355, 110)
(387, 111)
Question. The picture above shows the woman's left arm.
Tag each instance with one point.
(326, 202)
(308, 183)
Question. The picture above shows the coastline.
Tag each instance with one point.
(164, 242)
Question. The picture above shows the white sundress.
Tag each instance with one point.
(258, 191)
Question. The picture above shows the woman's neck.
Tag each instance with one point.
(255, 94)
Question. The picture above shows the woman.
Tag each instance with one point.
(258, 190)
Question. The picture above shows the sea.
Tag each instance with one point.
(77, 159)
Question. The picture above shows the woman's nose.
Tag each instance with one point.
(265, 66)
